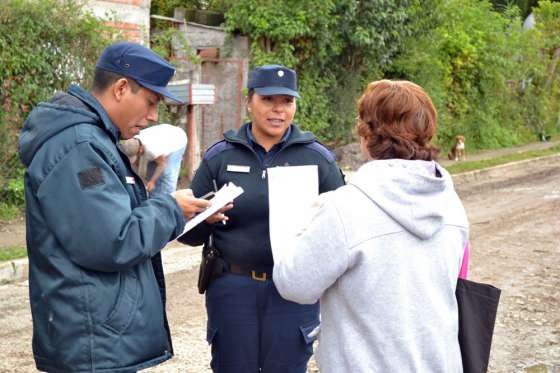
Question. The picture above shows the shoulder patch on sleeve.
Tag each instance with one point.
(90, 177)
(323, 150)
(216, 149)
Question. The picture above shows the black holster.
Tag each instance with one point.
(211, 265)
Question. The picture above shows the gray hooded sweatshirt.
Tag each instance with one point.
(383, 255)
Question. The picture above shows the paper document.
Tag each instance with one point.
(225, 195)
(291, 192)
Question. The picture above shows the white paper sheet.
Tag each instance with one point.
(291, 193)
(225, 195)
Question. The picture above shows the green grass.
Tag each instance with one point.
(12, 252)
(8, 212)
(477, 165)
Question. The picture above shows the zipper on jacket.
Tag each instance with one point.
(246, 144)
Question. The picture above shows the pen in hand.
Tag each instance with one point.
(216, 191)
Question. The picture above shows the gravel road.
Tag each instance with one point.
(515, 233)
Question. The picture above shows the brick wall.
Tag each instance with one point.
(131, 17)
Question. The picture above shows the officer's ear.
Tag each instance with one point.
(119, 88)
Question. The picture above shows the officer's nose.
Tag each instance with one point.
(277, 107)
(152, 114)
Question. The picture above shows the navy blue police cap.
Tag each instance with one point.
(141, 64)
(270, 80)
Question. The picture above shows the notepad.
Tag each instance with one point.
(225, 195)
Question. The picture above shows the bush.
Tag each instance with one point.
(483, 71)
(13, 192)
(335, 46)
(44, 46)
(490, 80)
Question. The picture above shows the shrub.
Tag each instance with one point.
(483, 71)
(44, 46)
(335, 46)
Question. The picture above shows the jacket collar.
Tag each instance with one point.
(97, 108)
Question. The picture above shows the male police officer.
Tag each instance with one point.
(96, 283)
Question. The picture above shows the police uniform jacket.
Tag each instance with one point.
(245, 240)
(96, 284)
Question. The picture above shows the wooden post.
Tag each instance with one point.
(191, 142)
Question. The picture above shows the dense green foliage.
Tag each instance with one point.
(490, 80)
(44, 46)
(208, 12)
(525, 6)
(485, 73)
(335, 45)
(166, 7)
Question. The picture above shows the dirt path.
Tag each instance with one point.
(12, 233)
(515, 232)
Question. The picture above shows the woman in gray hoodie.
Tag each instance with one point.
(383, 253)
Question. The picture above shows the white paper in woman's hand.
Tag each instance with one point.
(292, 193)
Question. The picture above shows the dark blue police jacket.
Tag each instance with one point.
(245, 239)
(96, 283)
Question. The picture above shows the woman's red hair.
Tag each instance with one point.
(397, 120)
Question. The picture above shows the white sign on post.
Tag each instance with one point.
(191, 93)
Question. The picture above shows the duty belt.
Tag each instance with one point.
(258, 273)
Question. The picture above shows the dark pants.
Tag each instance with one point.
(253, 329)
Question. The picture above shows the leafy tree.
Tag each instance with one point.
(44, 46)
(167, 7)
(477, 63)
(525, 6)
(548, 27)
(335, 46)
(490, 79)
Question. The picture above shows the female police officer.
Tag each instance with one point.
(250, 326)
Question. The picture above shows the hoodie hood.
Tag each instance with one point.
(418, 195)
(64, 110)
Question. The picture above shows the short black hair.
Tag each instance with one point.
(102, 79)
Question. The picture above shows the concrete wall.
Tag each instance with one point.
(131, 17)
(223, 62)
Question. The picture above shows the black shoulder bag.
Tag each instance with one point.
(478, 306)
(211, 265)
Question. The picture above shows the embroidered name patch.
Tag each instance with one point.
(236, 168)
(90, 177)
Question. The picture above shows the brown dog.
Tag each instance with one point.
(458, 150)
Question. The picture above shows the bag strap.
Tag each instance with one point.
(463, 272)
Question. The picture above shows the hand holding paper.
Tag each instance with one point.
(188, 203)
(222, 198)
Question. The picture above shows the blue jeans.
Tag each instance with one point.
(253, 329)
(167, 182)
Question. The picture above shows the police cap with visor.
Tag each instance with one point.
(141, 64)
(270, 80)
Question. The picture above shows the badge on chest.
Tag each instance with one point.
(238, 168)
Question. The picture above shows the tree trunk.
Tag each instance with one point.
(552, 68)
